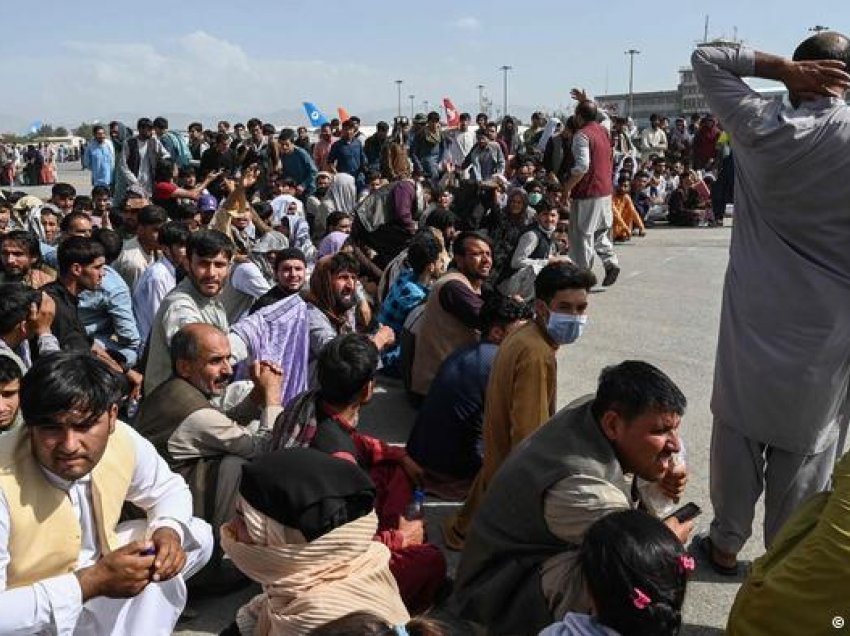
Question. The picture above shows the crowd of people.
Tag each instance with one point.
(33, 164)
(185, 354)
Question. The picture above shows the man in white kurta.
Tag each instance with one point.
(76, 602)
(783, 354)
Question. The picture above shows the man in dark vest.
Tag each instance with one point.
(139, 156)
(588, 191)
(208, 443)
(519, 570)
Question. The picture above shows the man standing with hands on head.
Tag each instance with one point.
(781, 378)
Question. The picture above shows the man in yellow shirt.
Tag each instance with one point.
(522, 387)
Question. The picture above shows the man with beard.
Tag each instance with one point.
(296, 163)
(330, 304)
(322, 148)
(20, 256)
(198, 439)
(195, 299)
(319, 205)
(450, 318)
(291, 272)
(374, 145)
(161, 277)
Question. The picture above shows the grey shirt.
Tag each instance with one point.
(783, 353)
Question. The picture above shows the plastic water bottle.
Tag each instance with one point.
(416, 508)
(656, 502)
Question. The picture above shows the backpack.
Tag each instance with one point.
(179, 149)
(375, 210)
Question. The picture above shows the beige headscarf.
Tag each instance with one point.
(307, 584)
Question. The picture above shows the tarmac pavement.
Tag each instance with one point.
(663, 309)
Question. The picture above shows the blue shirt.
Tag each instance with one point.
(100, 159)
(108, 311)
(446, 437)
(299, 165)
(350, 157)
(403, 297)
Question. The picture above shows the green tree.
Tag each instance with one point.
(84, 130)
(61, 131)
(46, 130)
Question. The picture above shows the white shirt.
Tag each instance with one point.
(156, 281)
(132, 262)
(54, 605)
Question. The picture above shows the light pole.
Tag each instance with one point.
(481, 98)
(411, 98)
(398, 84)
(505, 70)
(425, 105)
(631, 53)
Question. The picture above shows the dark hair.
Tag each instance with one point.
(441, 220)
(143, 122)
(587, 110)
(100, 189)
(160, 122)
(82, 203)
(65, 223)
(335, 217)
(465, 117)
(68, 380)
(152, 215)
(10, 370)
(500, 311)
(268, 129)
(372, 175)
(382, 126)
(289, 254)
(824, 46)
(634, 387)
(287, 134)
(164, 171)
(557, 276)
(346, 365)
(631, 550)
(97, 127)
(253, 122)
(173, 233)
(422, 251)
(15, 301)
(63, 190)
(208, 244)
(111, 241)
(222, 138)
(459, 244)
(196, 126)
(26, 240)
(368, 624)
(78, 249)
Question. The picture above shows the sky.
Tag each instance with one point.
(67, 62)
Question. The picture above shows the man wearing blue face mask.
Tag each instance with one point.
(523, 381)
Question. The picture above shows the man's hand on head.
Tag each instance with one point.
(40, 317)
(809, 79)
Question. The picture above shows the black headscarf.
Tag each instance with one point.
(308, 490)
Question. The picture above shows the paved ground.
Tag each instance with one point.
(664, 309)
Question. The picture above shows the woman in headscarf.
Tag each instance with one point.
(504, 230)
(304, 530)
(343, 192)
(288, 218)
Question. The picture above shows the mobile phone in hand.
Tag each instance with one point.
(686, 513)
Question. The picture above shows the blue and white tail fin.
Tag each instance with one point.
(314, 115)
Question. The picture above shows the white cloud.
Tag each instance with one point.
(467, 24)
(197, 73)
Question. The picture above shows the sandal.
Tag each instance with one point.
(705, 547)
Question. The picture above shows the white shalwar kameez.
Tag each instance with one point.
(55, 606)
(783, 352)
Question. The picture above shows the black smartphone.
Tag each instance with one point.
(687, 512)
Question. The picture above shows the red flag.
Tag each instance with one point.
(452, 116)
(343, 114)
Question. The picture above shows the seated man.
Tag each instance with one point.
(446, 438)
(10, 389)
(808, 561)
(519, 571)
(327, 420)
(107, 312)
(66, 564)
(20, 256)
(290, 270)
(198, 440)
(626, 217)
